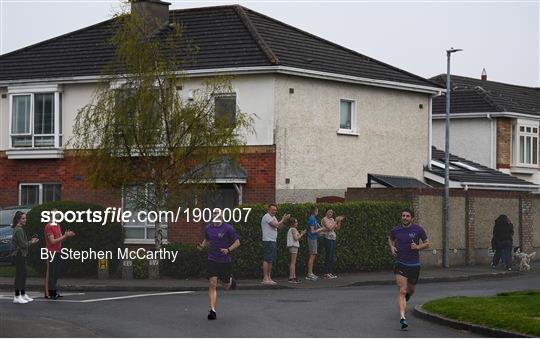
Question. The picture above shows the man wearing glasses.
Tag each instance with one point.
(221, 240)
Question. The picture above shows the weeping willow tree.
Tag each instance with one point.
(140, 134)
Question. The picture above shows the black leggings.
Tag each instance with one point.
(20, 274)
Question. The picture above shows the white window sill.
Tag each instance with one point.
(143, 242)
(347, 132)
(35, 153)
(526, 169)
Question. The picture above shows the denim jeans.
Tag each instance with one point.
(329, 260)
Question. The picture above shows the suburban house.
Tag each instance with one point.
(325, 116)
(494, 124)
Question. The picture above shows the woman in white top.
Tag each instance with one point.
(330, 225)
(293, 244)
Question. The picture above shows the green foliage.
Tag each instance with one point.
(88, 235)
(361, 241)
(140, 268)
(190, 263)
(514, 311)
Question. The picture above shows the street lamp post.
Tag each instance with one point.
(446, 209)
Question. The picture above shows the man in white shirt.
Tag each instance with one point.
(269, 227)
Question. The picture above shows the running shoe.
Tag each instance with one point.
(233, 284)
(403, 323)
(212, 315)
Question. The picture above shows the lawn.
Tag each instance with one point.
(517, 311)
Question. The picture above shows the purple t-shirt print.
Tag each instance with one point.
(219, 237)
(403, 237)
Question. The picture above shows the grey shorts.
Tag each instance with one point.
(293, 250)
(312, 244)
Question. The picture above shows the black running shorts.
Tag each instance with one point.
(223, 271)
(412, 273)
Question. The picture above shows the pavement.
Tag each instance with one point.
(427, 275)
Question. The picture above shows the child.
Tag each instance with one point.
(293, 244)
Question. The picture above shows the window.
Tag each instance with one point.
(525, 140)
(36, 194)
(225, 107)
(136, 199)
(347, 116)
(35, 118)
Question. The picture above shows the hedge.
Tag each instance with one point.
(361, 242)
(88, 235)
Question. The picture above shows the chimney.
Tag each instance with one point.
(484, 75)
(155, 10)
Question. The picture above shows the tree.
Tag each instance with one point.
(139, 132)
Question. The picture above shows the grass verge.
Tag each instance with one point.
(517, 311)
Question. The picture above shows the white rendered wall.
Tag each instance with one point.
(393, 137)
(472, 139)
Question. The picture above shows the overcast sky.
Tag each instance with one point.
(501, 36)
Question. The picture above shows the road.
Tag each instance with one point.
(367, 311)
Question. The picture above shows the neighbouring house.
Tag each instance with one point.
(326, 116)
(494, 124)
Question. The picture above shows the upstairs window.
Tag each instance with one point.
(225, 107)
(525, 138)
(35, 119)
(347, 116)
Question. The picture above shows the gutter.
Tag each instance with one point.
(488, 115)
(250, 70)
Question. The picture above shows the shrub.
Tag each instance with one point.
(361, 242)
(88, 235)
(190, 262)
(140, 268)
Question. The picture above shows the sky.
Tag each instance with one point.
(500, 36)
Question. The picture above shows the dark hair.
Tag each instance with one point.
(270, 205)
(313, 209)
(408, 210)
(292, 221)
(501, 220)
(16, 218)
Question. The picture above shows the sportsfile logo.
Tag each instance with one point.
(113, 214)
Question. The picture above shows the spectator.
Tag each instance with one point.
(330, 226)
(293, 244)
(19, 251)
(313, 239)
(502, 241)
(269, 227)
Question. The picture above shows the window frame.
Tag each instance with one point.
(57, 114)
(353, 130)
(147, 225)
(234, 94)
(40, 191)
(517, 150)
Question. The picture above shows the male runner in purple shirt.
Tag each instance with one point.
(405, 241)
(221, 239)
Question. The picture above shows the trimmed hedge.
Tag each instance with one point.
(361, 242)
(88, 235)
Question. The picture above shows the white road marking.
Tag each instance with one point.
(102, 299)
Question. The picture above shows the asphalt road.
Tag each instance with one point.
(368, 311)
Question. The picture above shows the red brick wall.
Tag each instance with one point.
(258, 161)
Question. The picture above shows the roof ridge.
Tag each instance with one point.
(487, 81)
(270, 55)
(342, 47)
(55, 38)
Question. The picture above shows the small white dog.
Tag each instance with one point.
(523, 260)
